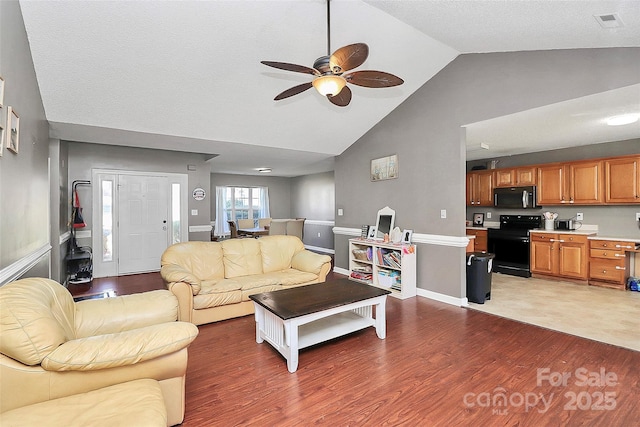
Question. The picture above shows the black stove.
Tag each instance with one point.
(510, 243)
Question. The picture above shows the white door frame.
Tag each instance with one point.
(110, 268)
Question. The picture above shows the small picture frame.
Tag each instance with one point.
(1, 138)
(478, 219)
(371, 234)
(1, 91)
(364, 231)
(406, 236)
(13, 130)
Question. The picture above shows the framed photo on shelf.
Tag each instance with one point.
(13, 130)
(384, 168)
(406, 236)
(371, 234)
(478, 219)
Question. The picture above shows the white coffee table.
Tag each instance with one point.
(292, 319)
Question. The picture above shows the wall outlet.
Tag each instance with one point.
(194, 212)
(488, 215)
(340, 212)
(579, 216)
(318, 234)
(443, 213)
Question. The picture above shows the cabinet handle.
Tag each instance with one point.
(618, 255)
(625, 247)
(620, 268)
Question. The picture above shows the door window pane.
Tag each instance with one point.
(175, 213)
(107, 221)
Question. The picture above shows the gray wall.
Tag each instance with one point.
(425, 133)
(84, 157)
(313, 198)
(24, 180)
(615, 221)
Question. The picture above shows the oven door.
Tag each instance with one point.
(511, 252)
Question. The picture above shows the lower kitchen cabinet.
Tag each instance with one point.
(609, 263)
(561, 255)
(480, 242)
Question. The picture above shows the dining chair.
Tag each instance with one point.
(264, 222)
(295, 227)
(233, 229)
(278, 227)
(246, 223)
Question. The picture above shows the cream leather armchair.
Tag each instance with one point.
(53, 347)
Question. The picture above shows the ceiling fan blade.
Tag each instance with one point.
(370, 78)
(291, 67)
(348, 57)
(293, 91)
(342, 99)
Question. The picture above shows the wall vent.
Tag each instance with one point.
(609, 20)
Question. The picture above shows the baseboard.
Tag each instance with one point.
(447, 299)
(342, 271)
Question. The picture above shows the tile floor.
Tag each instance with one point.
(600, 314)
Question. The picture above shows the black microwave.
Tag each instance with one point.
(515, 197)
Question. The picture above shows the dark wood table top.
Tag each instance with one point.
(303, 300)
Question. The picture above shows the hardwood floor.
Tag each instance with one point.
(439, 365)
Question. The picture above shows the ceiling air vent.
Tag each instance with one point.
(609, 20)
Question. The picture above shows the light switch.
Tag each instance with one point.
(340, 212)
(194, 212)
(443, 213)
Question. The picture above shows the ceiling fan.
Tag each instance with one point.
(330, 80)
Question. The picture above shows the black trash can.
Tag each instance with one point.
(479, 266)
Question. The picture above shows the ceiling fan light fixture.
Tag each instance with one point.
(624, 119)
(329, 85)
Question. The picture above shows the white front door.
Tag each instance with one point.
(143, 203)
(137, 215)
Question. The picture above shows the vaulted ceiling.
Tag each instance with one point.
(186, 75)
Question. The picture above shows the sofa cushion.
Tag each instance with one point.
(216, 299)
(134, 403)
(242, 257)
(277, 252)
(202, 259)
(36, 316)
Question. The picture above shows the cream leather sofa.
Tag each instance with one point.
(213, 280)
(52, 347)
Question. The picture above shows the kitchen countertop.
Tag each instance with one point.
(578, 232)
(620, 239)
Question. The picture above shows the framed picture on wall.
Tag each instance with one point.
(13, 130)
(384, 168)
(1, 137)
(1, 92)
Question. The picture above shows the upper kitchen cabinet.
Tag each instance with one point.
(480, 188)
(622, 180)
(515, 177)
(580, 183)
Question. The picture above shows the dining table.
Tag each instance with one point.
(254, 232)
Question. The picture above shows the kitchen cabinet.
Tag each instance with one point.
(480, 242)
(580, 183)
(515, 177)
(622, 177)
(559, 254)
(480, 188)
(609, 263)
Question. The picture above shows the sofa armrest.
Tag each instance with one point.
(120, 349)
(310, 262)
(183, 291)
(172, 273)
(112, 315)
